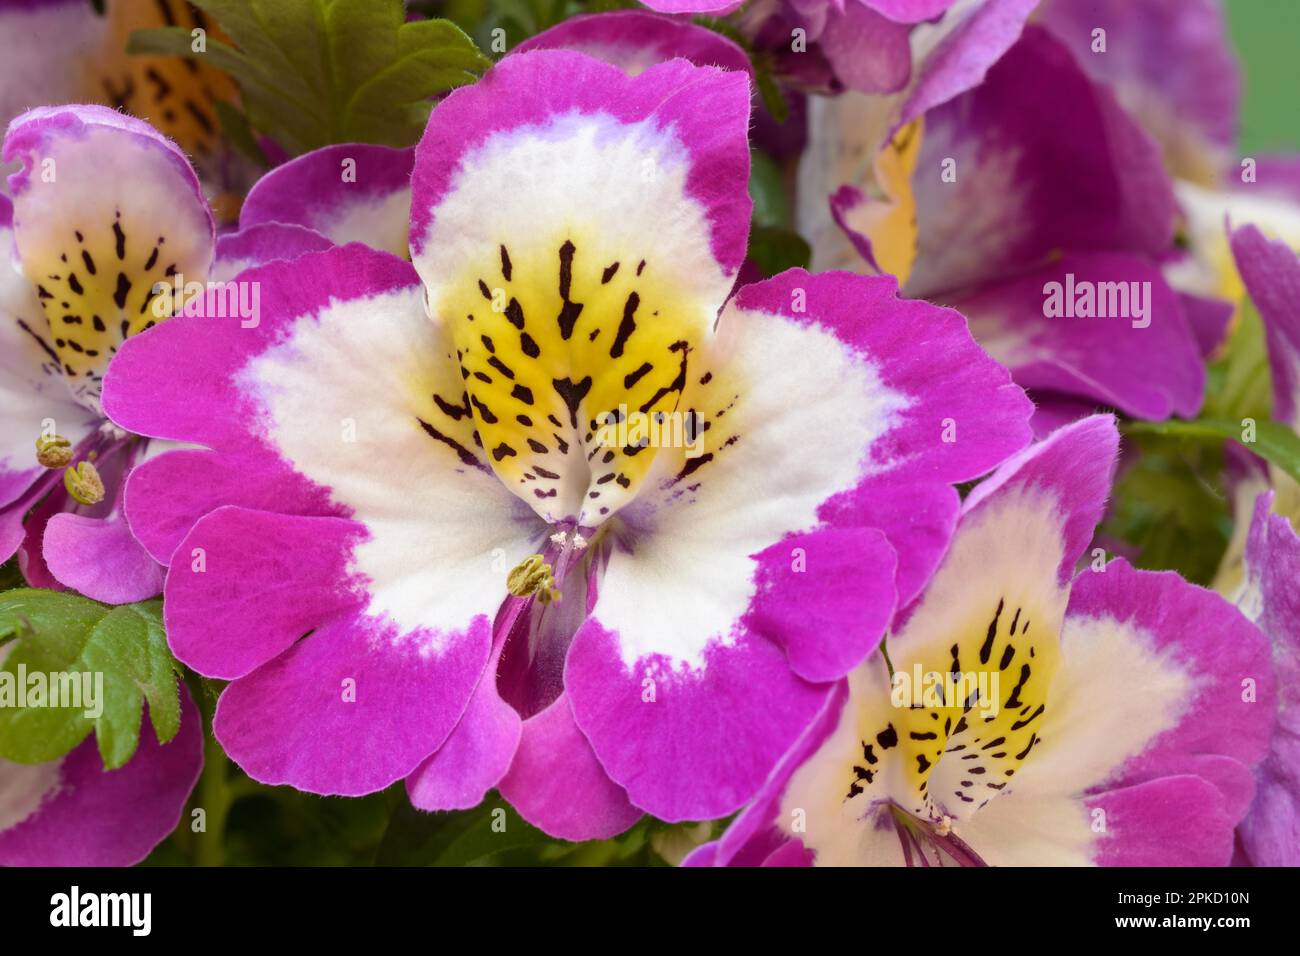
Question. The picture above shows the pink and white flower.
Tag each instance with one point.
(1108, 717)
(417, 544)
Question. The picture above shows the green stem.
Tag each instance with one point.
(215, 797)
(215, 793)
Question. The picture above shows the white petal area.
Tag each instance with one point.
(343, 395)
(579, 174)
(1112, 696)
(804, 413)
(1031, 830)
(380, 224)
(1010, 549)
(23, 788)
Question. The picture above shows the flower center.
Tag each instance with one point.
(574, 358)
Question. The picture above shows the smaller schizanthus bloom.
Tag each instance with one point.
(353, 192)
(107, 220)
(1108, 718)
(444, 473)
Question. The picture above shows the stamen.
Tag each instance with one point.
(84, 484)
(53, 451)
(533, 577)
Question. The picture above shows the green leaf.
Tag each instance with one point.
(123, 649)
(316, 72)
(1275, 442)
(1169, 506)
(432, 56)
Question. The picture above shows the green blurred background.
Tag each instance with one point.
(1267, 35)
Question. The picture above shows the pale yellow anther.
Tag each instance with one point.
(53, 451)
(84, 484)
(533, 577)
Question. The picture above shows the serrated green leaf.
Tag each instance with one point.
(361, 33)
(241, 22)
(123, 648)
(433, 56)
(297, 30)
(315, 72)
(131, 645)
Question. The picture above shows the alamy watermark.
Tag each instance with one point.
(133, 911)
(223, 300)
(1085, 299)
(636, 429)
(976, 690)
(78, 690)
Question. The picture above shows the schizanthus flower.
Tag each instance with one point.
(1110, 717)
(425, 470)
